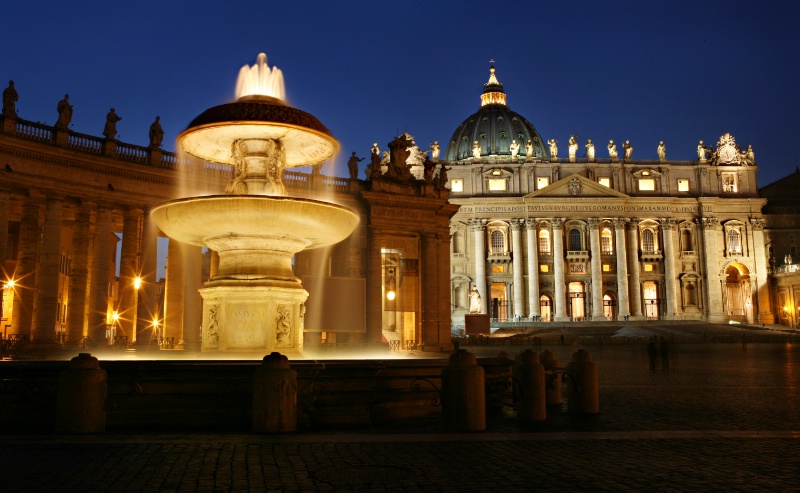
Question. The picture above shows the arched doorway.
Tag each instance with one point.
(499, 298)
(650, 300)
(545, 307)
(609, 306)
(738, 302)
(577, 301)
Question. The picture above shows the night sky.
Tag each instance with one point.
(642, 71)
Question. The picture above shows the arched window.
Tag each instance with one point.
(575, 240)
(544, 242)
(605, 242)
(498, 241)
(648, 241)
(734, 243)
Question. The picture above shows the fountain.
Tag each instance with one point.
(254, 303)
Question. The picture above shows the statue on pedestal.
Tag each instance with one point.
(612, 151)
(589, 151)
(572, 148)
(156, 133)
(110, 129)
(64, 113)
(352, 165)
(627, 150)
(701, 152)
(553, 148)
(476, 150)
(435, 149)
(514, 148)
(10, 98)
(528, 149)
(474, 301)
(374, 167)
(662, 152)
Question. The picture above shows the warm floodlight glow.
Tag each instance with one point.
(9, 284)
(390, 295)
(115, 316)
(260, 80)
(137, 282)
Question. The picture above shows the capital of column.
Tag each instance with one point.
(516, 224)
(557, 222)
(619, 222)
(758, 223)
(633, 222)
(530, 223)
(594, 223)
(133, 213)
(476, 224)
(668, 223)
(708, 223)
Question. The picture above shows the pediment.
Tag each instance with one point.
(576, 186)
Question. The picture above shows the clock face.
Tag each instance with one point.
(727, 154)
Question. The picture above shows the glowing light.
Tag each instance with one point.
(260, 80)
(390, 295)
(137, 282)
(155, 323)
(115, 316)
(9, 284)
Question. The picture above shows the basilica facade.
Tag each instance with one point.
(600, 234)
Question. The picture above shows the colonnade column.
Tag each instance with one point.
(713, 288)
(533, 269)
(128, 272)
(479, 255)
(597, 270)
(623, 307)
(633, 268)
(100, 277)
(4, 203)
(192, 301)
(374, 288)
(147, 306)
(516, 248)
(559, 285)
(44, 330)
(79, 274)
(668, 226)
(430, 290)
(765, 314)
(174, 287)
(25, 274)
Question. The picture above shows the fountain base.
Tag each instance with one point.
(246, 318)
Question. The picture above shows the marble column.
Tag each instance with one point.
(479, 256)
(174, 288)
(765, 315)
(533, 268)
(713, 288)
(192, 301)
(633, 269)
(623, 306)
(79, 273)
(147, 306)
(429, 287)
(102, 253)
(44, 330)
(25, 274)
(374, 288)
(516, 252)
(559, 285)
(668, 226)
(128, 272)
(597, 269)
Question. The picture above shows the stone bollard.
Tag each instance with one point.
(552, 379)
(275, 396)
(582, 384)
(529, 375)
(82, 390)
(463, 393)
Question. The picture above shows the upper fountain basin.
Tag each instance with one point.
(305, 139)
(200, 220)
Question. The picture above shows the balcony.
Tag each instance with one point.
(577, 255)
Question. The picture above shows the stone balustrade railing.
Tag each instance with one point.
(85, 143)
(33, 131)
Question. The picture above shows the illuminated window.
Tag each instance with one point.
(647, 184)
(734, 241)
(456, 185)
(648, 241)
(683, 185)
(498, 269)
(542, 182)
(544, 268)
(606, 182)
(605, 242)
(606, 267)
(648, 267)
(497, 184)
(728, 182)
(498, 241)
(544, 242)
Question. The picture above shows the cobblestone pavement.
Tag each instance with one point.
(723, 417)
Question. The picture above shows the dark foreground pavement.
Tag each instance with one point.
(722, 417)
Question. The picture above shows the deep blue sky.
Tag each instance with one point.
(643, 71)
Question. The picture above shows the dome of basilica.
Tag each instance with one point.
(493, 126)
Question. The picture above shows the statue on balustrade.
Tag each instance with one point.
(64, 113)
(662, 152)
(476, 150)
(442, 181)
(110, 129)
(572, 148)
(10, 98)
(435, 149)
(156, 133)
(514, 148)
(352, 165)
(612, 151)
(430, 167)
(528, 149)
(590, 151)
(627, 150)
(748, 156)
(374, 166)
(701, 152)
(553, 148)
